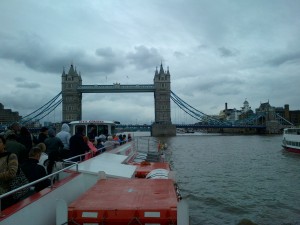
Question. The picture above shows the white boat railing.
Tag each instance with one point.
(67, 161)
(51, 176)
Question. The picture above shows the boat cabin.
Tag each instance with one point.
(295, 131)
(97, 126)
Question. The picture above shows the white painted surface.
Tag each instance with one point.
(110, 163)
(43, 211)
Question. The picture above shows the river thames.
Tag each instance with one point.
(229, 179)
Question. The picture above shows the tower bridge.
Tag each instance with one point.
(72, 90)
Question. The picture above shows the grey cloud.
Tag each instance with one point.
(105, 52)
(225, 52)
(144, 58)
(23, 83)
(221, 86)
(34, 52)
(285, 58)
(178, 54)
(28, 85)
(38, 55)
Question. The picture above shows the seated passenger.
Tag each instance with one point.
(120, 139)
(124, 138)
(101, 138)
(34, 171)
(129, 137)
(110, 143)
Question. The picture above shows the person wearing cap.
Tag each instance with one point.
(43, 134)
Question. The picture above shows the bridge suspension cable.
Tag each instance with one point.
(43, 111)
(283, 120)
(194, 112)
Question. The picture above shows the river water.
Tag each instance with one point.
(231, 179)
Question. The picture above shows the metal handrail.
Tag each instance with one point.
(52, 175)
(37, 181)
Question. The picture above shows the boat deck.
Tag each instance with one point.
(123, 200)
(109, 163)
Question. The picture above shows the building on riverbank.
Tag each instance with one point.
(7, 116)
(291, 115)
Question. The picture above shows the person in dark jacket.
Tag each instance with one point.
(33, 171)
(53, 147)
(42, 135)
(13, 146)
(77, 144)
(26, 138)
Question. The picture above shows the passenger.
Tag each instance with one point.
(129, 137)
(15, 127)
(8, 170)
(101, 138)
(92, 148)
(115, 137)
(110, 143)
(120, 139)
(64, 135)
(42, 146)
(77, 144)
(13, 146)
(92, 134)
(42, 135)
(26, 138)
(44, 156)
(53, 146)
(34, 171)
(124, 138)
(100, 147)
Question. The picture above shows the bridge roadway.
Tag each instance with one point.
(116, 88)
(186, 126)
(195, 126)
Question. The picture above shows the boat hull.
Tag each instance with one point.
(291, 140)
(289, 149)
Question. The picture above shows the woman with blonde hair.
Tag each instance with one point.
(8, 170)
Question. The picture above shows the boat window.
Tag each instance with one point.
(91, 131)
(113, 128)
(84, 128)
(102, 129)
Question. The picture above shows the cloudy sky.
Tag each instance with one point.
(217, 51)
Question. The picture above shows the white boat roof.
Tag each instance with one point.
(92, 122)
(110, 163)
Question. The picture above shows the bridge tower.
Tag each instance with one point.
(71, 97)
(162, 106)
